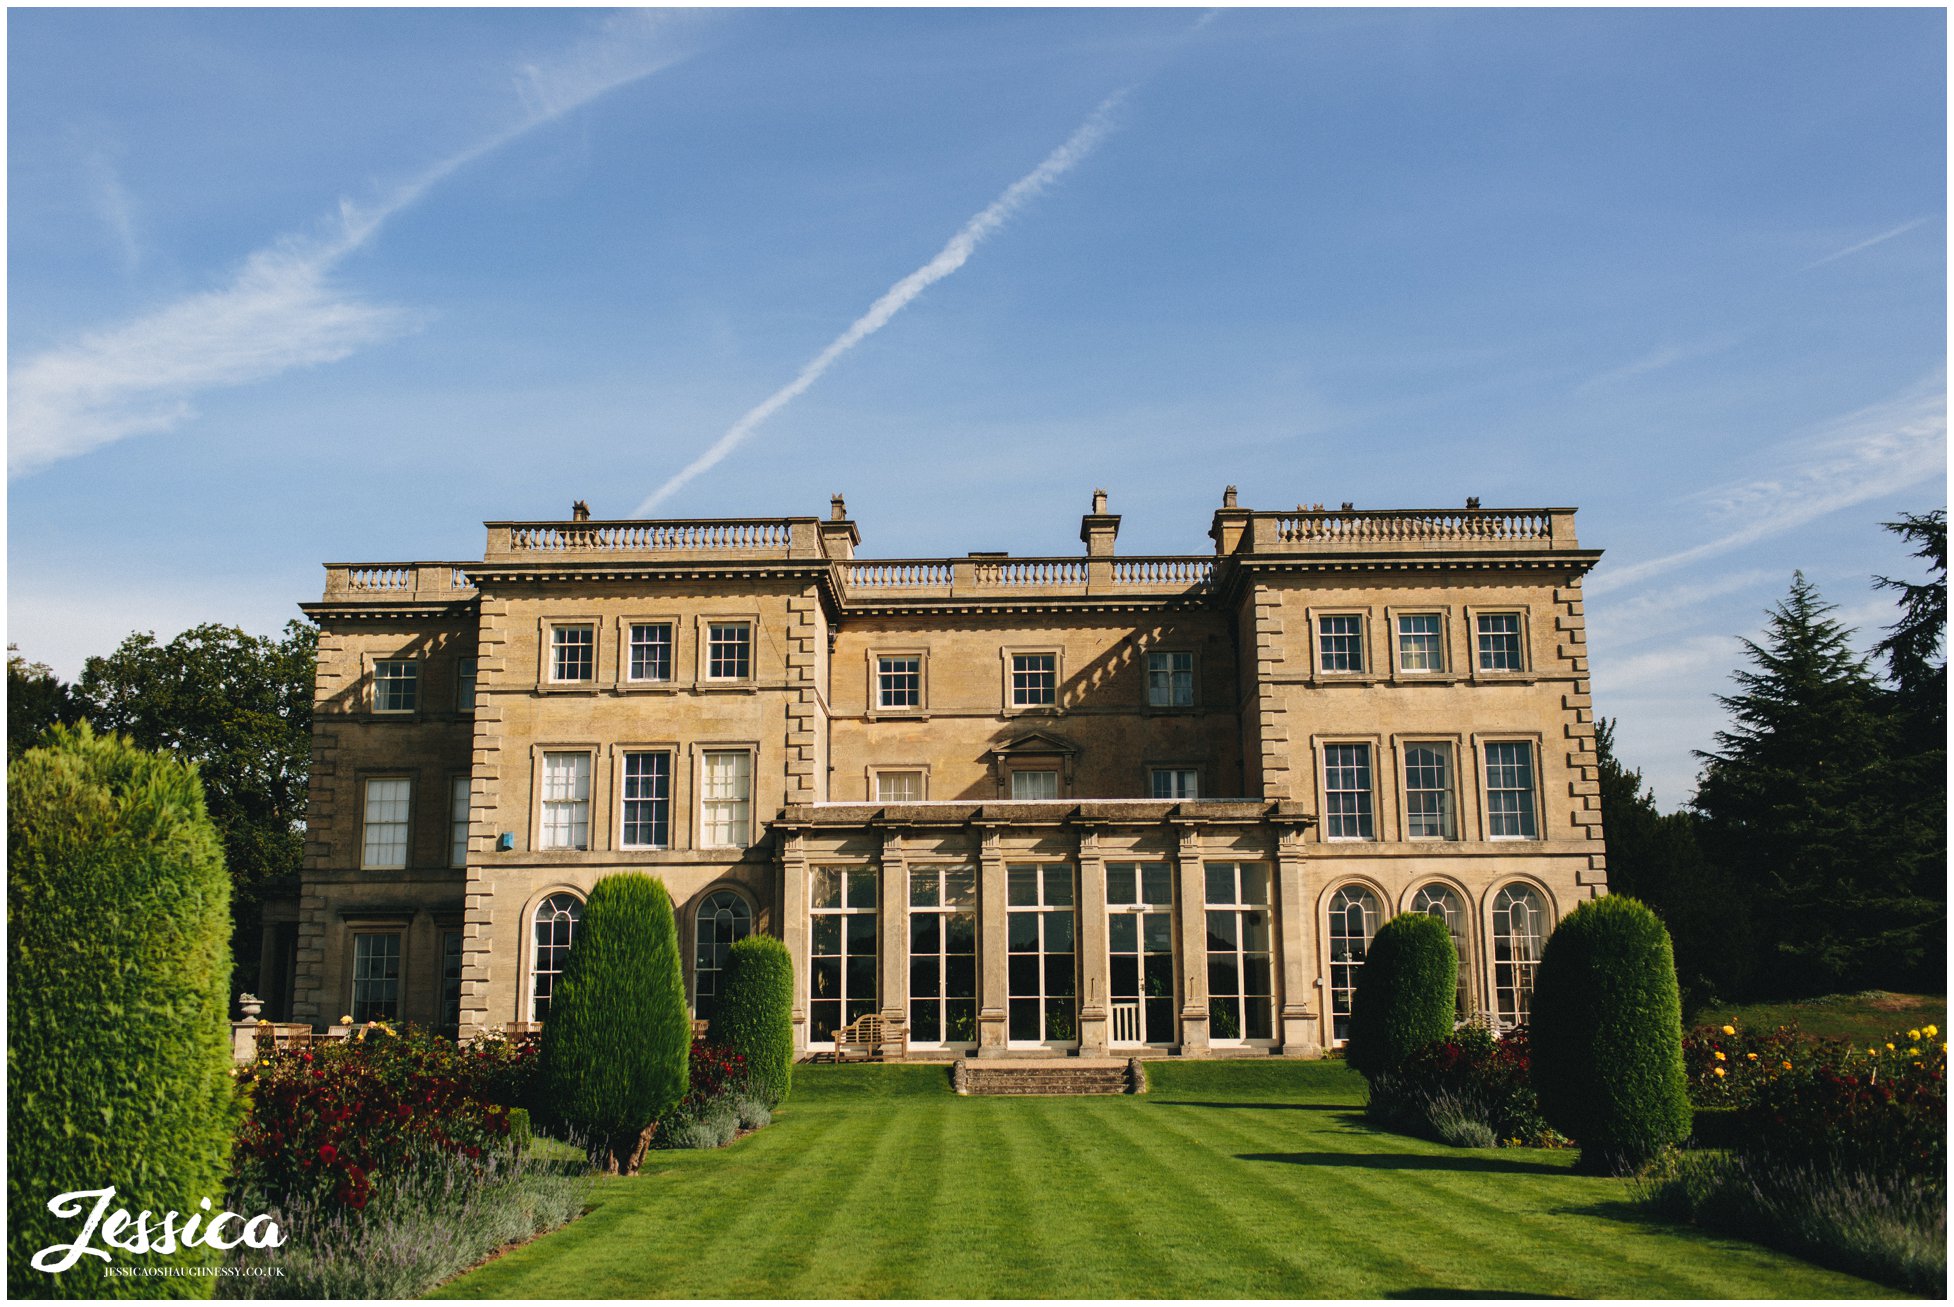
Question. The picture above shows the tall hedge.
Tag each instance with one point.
(118, 1044)
(1405, 993)
(1607, 1031)
(755, 1017)
(617, 1042)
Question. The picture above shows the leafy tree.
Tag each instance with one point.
(1803, 807)
(118, 1054)
(1658, 858)
(618, 1041)
(37, 700)
(240, 707)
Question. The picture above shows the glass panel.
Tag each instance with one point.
(861, 889)
(1024, 974)
(1224, 976)
(925, 1027)
(827, 888)
(1125, 975)
(922, 889)
(1255, 932)
(861, 932)
(1058, 887)
(1221, 932)
(1255, 883)
(1024, 1019)
(861, 979)
(960, 887)
(1157, 884)
(1058, 975)
(1258, 1025)
(1221, 882)
(923, 975)
(1021, 887)
(1060, 1023)
(925, 933)
(1125, 929)
(1022, 929)
(961, 932)
(1225, 1018)
(960, 975)
(1120, 877)
(827, 935)
(824, 976)
(1058, 932)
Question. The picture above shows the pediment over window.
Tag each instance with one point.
(1032, 744)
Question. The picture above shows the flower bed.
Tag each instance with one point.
(1471, 1090)
(717, 1107)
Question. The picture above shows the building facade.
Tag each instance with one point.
(1100, 803)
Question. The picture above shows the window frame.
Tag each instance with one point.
(1376, 812)
(1495, 904)
(1331, 903)
(702, 625)
(876, 708)
(406, 823)
(1241, 907)
(413, 680)
(398, 935)
(1058, 783)
(1156, 769)
(1008, 657)
(1318, 667)
(1536, 808)
(1398, 616)
(920, 770)
(532, 970)
(933, 874)
(700, 753)
(699, 945)
(621, 755)
(1193, 657)
(541, 754)
(1524, 635)
(842, 909)
(626, 626)
(460, 819)
(1403, 745)
(468, 677)
(546, 678)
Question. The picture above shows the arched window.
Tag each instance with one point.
(1439, 901)
(556, 923)
(723, 919)
(1519, 927)
(1353, 920)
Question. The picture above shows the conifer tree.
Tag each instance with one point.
(1801, 808)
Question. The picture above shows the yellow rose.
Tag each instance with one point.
(1914, 1035)
(1930, 1031)
(1751, 1057)
(1722, 1058)
(1719, 1071)
(1889, 1048)
(1787, 1066)
(1730, 1030)
(1914, 1052)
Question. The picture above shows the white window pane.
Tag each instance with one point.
(566, 801)
(385, 839)
(899, 787)
(458, 822)
(726, 786)
(1030, 785)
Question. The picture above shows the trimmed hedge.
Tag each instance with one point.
(755, 1016)
(118, 1049)
(1405, 994)
(618, 1038)
(1608, 1035)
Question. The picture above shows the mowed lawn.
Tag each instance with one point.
(1227, 1180)
(1863, 1018)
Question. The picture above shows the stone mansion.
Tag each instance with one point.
(1100, 803)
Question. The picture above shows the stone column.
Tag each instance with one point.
(992, 990)
(1191, 878)
(1298, 991)
(791, 895)
(1092, 945)
(892, 946)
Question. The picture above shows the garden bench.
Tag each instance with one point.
(865, 1036)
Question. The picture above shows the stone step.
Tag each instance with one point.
(1045, 1078)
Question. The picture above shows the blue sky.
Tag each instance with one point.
(295, 285)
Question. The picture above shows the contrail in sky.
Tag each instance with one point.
(280, 310)
(951, 257)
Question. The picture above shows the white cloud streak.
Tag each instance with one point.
(898, 297)
(280, 310)
(1860, 457)
(1900, 230)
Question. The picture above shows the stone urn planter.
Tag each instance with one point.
(250, 1005)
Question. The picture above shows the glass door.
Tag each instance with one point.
(1241, 999)
(841, 954)
(1140, 935)
(1042, 956)
(943, 957)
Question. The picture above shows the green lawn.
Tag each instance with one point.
(1862, 1018)
(1227, 1180)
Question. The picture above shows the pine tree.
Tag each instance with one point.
(1799, 807)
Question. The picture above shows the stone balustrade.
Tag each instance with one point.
(422, 583)
(771, 538)
(945, 578)
(1405, 530)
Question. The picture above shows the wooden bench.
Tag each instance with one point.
(867, 1036)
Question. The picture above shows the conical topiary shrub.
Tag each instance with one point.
(1607, 1034)
(618, 1040)
(1405, 994)
(756, 1015)
(119, 959)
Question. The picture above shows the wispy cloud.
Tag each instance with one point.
(281, 310)
(1900, 230)
(1859, 457)
(951, 257)
(113, 205)
(1630, 622)
(1664, 356)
